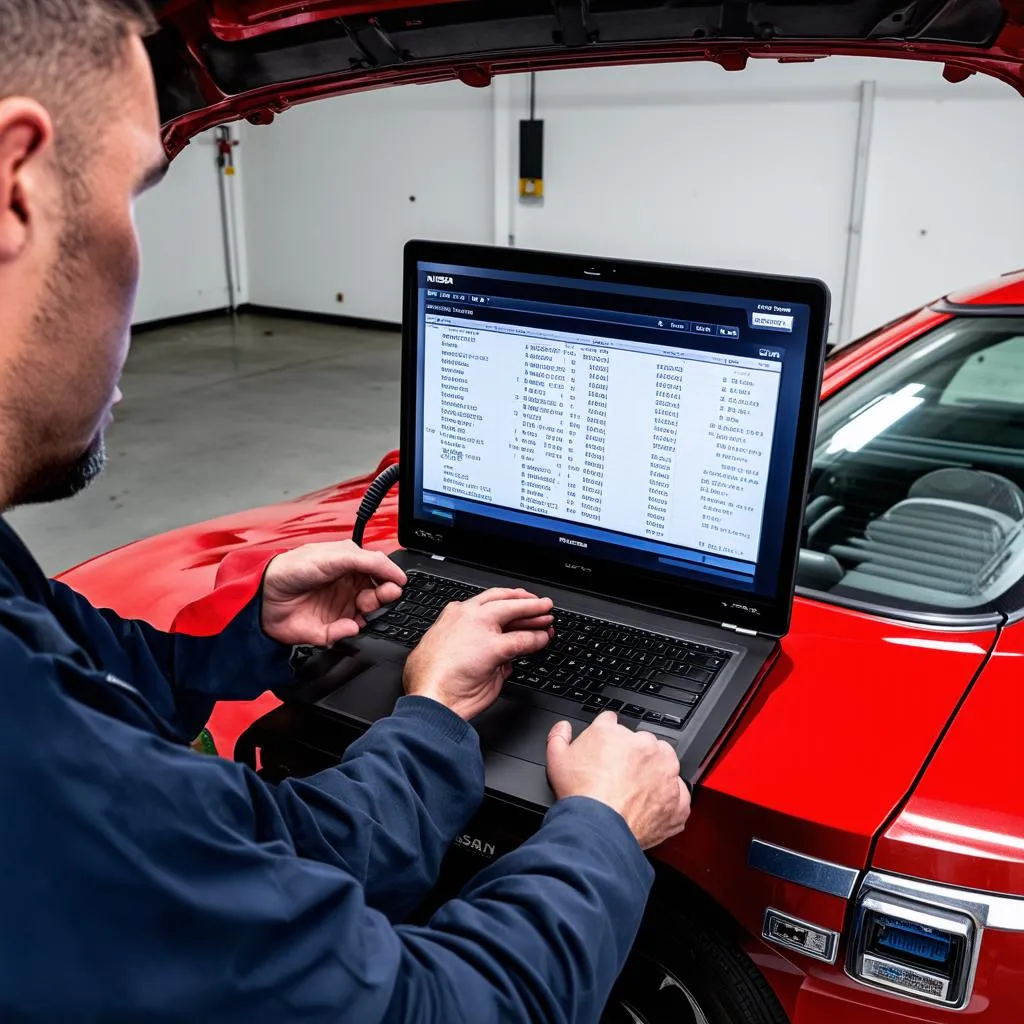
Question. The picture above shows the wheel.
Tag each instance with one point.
(683, 970)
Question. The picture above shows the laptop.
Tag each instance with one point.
(630, 439)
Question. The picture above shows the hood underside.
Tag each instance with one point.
(221, 60)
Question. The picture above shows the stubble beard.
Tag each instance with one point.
(45, 480)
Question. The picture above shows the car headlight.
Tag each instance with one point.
(912, 947)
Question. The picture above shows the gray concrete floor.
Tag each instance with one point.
(224, 415)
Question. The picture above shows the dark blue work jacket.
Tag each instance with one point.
(140, 881)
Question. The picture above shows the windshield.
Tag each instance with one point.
(917, 486)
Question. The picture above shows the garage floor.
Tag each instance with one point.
(223, 415)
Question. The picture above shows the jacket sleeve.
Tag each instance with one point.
(541, 935)
(387, 814)
(181, 676)
(173, 887)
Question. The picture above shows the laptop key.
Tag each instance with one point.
(634, 710)
(650, 688)
(558, 689)
(653, 716)
(598, 703)
(577, 695)
(679, 696)
(677, 683)
(672, 721)
(613, 705)
(699, 675)
(705, 661)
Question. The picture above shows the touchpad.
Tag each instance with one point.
(520, 730)
(370, 695)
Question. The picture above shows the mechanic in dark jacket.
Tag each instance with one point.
(142, 882)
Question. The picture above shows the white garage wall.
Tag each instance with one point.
(684, 163)
(179, 224)
(691, 164)
(945, 205)
(328, 187)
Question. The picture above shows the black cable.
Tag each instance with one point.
(533, 95)
(371, 501)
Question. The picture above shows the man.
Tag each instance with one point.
(142, 882)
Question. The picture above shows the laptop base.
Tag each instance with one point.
(361, 681)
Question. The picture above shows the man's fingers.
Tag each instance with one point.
(341, 629)
(561, 731)
(343, 558)
(504, 613)
(368, 601)
(381, 568)
(388, 593)
(500, 594)
(520, 644)
(558, 743)
(537, 622)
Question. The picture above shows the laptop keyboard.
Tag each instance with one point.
(599, 665)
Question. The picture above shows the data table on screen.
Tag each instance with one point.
(664, 443)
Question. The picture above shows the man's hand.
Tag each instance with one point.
(321, 593)
(634, 773)
(465, 657)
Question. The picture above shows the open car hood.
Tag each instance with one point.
(221, 60)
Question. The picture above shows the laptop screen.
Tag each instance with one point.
(650, 428)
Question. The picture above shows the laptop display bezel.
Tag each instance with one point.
(764, 614)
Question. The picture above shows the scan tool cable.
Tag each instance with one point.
(303, 653)
(372, 499)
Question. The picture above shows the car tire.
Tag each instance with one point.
(684, 970)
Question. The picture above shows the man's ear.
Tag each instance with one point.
(26, 130)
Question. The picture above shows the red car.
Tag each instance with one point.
(856, 852)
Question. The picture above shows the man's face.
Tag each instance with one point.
(75, 342)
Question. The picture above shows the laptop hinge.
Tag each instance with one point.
(739, 629)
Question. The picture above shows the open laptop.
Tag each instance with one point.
(627, 438)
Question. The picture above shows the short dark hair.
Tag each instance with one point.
(48, 47)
